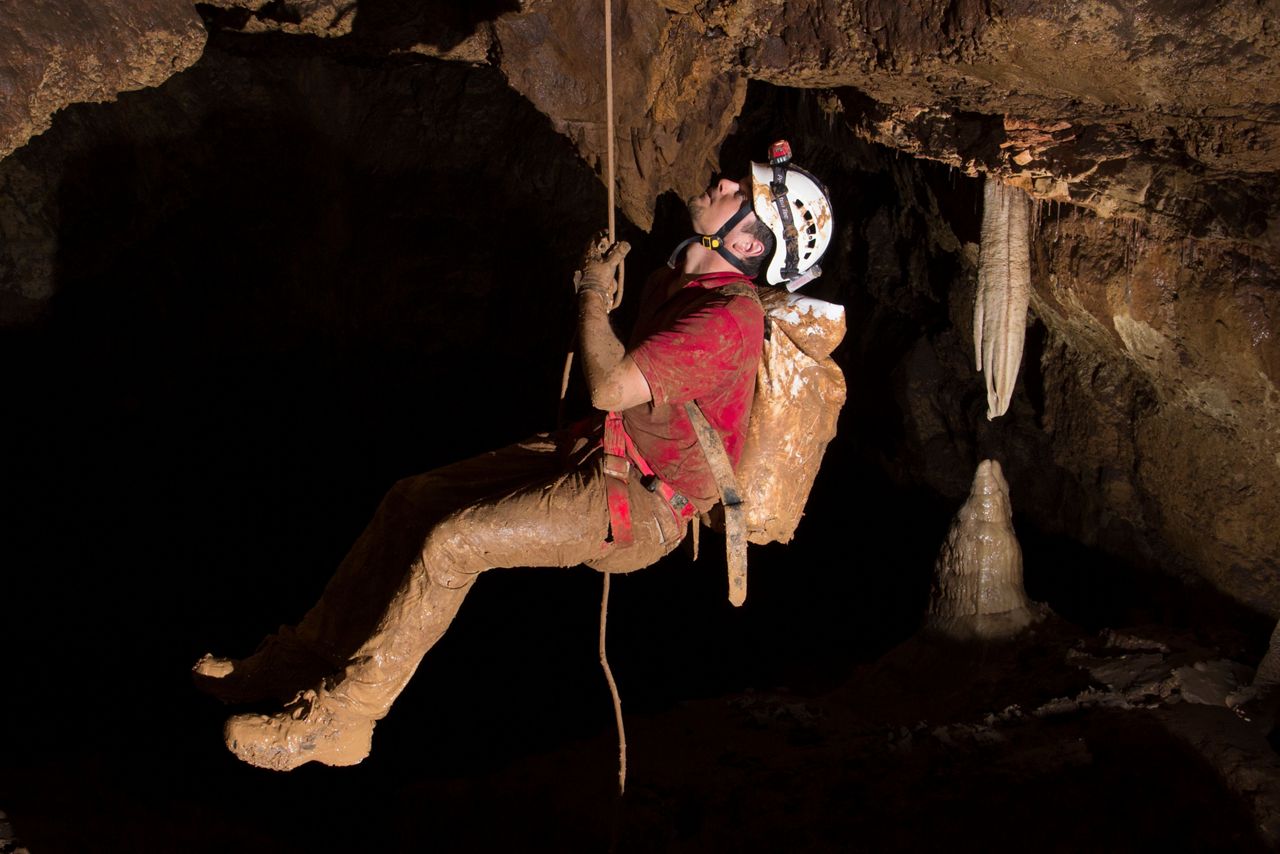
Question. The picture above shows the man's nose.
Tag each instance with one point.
(727, 187)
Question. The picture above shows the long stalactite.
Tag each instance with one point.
(1004, 290)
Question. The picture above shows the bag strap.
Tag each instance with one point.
(742, 289)
(735, 517)
(751, 292)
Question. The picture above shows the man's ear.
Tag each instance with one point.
(745, 246)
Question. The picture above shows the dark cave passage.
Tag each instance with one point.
(287, 278)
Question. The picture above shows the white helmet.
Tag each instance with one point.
(796, 207)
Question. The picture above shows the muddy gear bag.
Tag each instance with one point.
(799, 392)
(798, 395)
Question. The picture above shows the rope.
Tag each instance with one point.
(611, 181)
(617, 300)
(568, 367)
(613, 690)
(609, 138)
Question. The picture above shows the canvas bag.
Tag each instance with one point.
(798, 395)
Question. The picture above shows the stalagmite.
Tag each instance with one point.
(1004, 290)
(1268, 675)
(977, 587)
(1260, 701)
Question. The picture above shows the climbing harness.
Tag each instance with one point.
(620, 458)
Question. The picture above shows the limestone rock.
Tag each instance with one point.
(1160, 367)
(63, 52)
(323, 18)
(673, 105)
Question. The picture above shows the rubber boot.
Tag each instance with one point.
(333, 723)
(315, 727)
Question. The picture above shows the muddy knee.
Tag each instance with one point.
(450, 557)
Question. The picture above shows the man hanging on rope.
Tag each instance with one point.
(616, 495)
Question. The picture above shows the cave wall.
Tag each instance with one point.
(65, 52)
(1160, 370)
(1144, 417)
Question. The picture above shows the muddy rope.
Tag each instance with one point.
(617, 300)
(613, 690)
(568, 368)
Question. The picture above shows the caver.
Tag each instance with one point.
(616, 492)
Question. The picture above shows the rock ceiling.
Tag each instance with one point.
(1167, 111)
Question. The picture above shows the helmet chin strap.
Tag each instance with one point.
(715, 242)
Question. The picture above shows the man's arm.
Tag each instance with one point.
(612, 377)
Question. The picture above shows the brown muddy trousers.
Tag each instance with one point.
(525, 505)
(541, 502)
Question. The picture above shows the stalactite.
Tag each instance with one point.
(1004, 290)
(977, 586)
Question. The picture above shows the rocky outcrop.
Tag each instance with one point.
(1160, 370)
(1115, 107)
(63, 52)
(1120, 108)
(674, 104)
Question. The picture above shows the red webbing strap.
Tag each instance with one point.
(617, 469)
(620, 456)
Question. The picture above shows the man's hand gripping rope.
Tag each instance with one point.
(601, 270)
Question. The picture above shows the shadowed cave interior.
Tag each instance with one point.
(286, 278)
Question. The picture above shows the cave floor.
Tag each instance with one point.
(981, 747)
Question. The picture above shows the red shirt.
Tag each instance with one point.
(697, 344)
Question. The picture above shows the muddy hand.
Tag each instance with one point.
(599, 267)
(595, 249)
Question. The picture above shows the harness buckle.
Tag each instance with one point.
(616, 466)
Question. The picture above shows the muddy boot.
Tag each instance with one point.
(315, 727)
(282, 666)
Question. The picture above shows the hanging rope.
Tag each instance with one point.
(609, 138)
(610, 182)
(613, 691)
(617, 300)
(568, 368)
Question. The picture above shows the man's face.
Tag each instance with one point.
(713, 208)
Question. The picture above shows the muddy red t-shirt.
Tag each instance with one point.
(693, 342)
